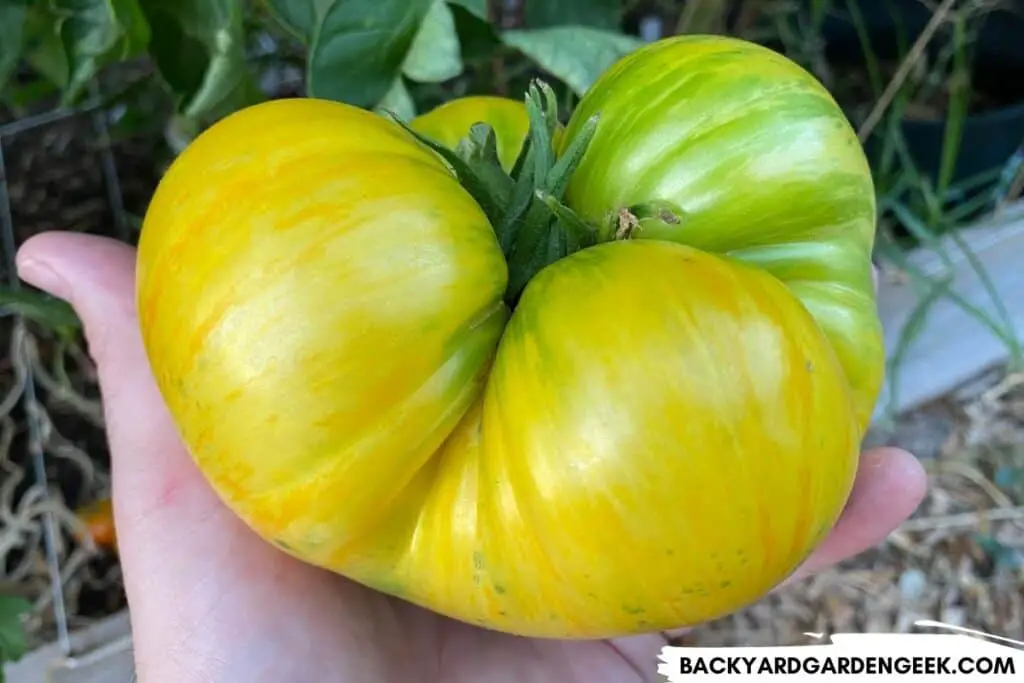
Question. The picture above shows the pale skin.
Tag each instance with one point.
(211, 602)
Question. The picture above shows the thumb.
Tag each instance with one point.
(152, 473)
(180, 549)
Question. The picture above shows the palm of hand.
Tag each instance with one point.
(254, 614)
(210, 601)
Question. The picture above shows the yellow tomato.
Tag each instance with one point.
(664, 435)
(658, 430)
(316, 291)
(451, 121)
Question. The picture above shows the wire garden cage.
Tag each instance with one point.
(61, 168)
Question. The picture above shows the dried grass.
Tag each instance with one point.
(24, 505)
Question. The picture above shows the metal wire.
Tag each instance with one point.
(45, 118)
(35, 429)
(115, 200)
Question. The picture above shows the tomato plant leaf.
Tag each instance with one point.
(478, 38)
(476, 7)
(434, 55)
(398, 101)
(13, 643)
(606, 14)
(13, 16)
(576, 55)
(358, 47)
(199, 50)
(95, 33)
(295, 17)
(43, 48)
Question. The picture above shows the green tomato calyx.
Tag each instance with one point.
(531, 222)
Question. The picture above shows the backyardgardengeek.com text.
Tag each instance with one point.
(840, 665)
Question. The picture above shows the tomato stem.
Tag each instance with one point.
(532, 224)
(627, 221)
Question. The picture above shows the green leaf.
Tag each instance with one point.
(95, 33)
(478, 38)
(13, 16)
(20, 96)
(199, 49)
(398, 101)
(358, 47)
(13, 643)
(44, 49)
(295, 17)
(606, 14)
(52, 313)
(576, 55)
(477, 7)
(435, 55)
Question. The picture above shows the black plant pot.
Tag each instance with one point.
(988, 141)
(990, 136)
(889, 23)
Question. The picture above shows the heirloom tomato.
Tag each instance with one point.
(450, 122)
(654, 432)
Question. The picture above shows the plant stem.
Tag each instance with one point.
(636, 218)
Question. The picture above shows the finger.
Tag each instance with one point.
(891, 483)
(150, 467)
(169, 523)
(192, 570)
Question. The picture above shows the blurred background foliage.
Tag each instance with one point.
(936, 88)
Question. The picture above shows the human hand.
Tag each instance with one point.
(211, 602)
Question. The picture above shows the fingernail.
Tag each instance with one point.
(41, 275)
